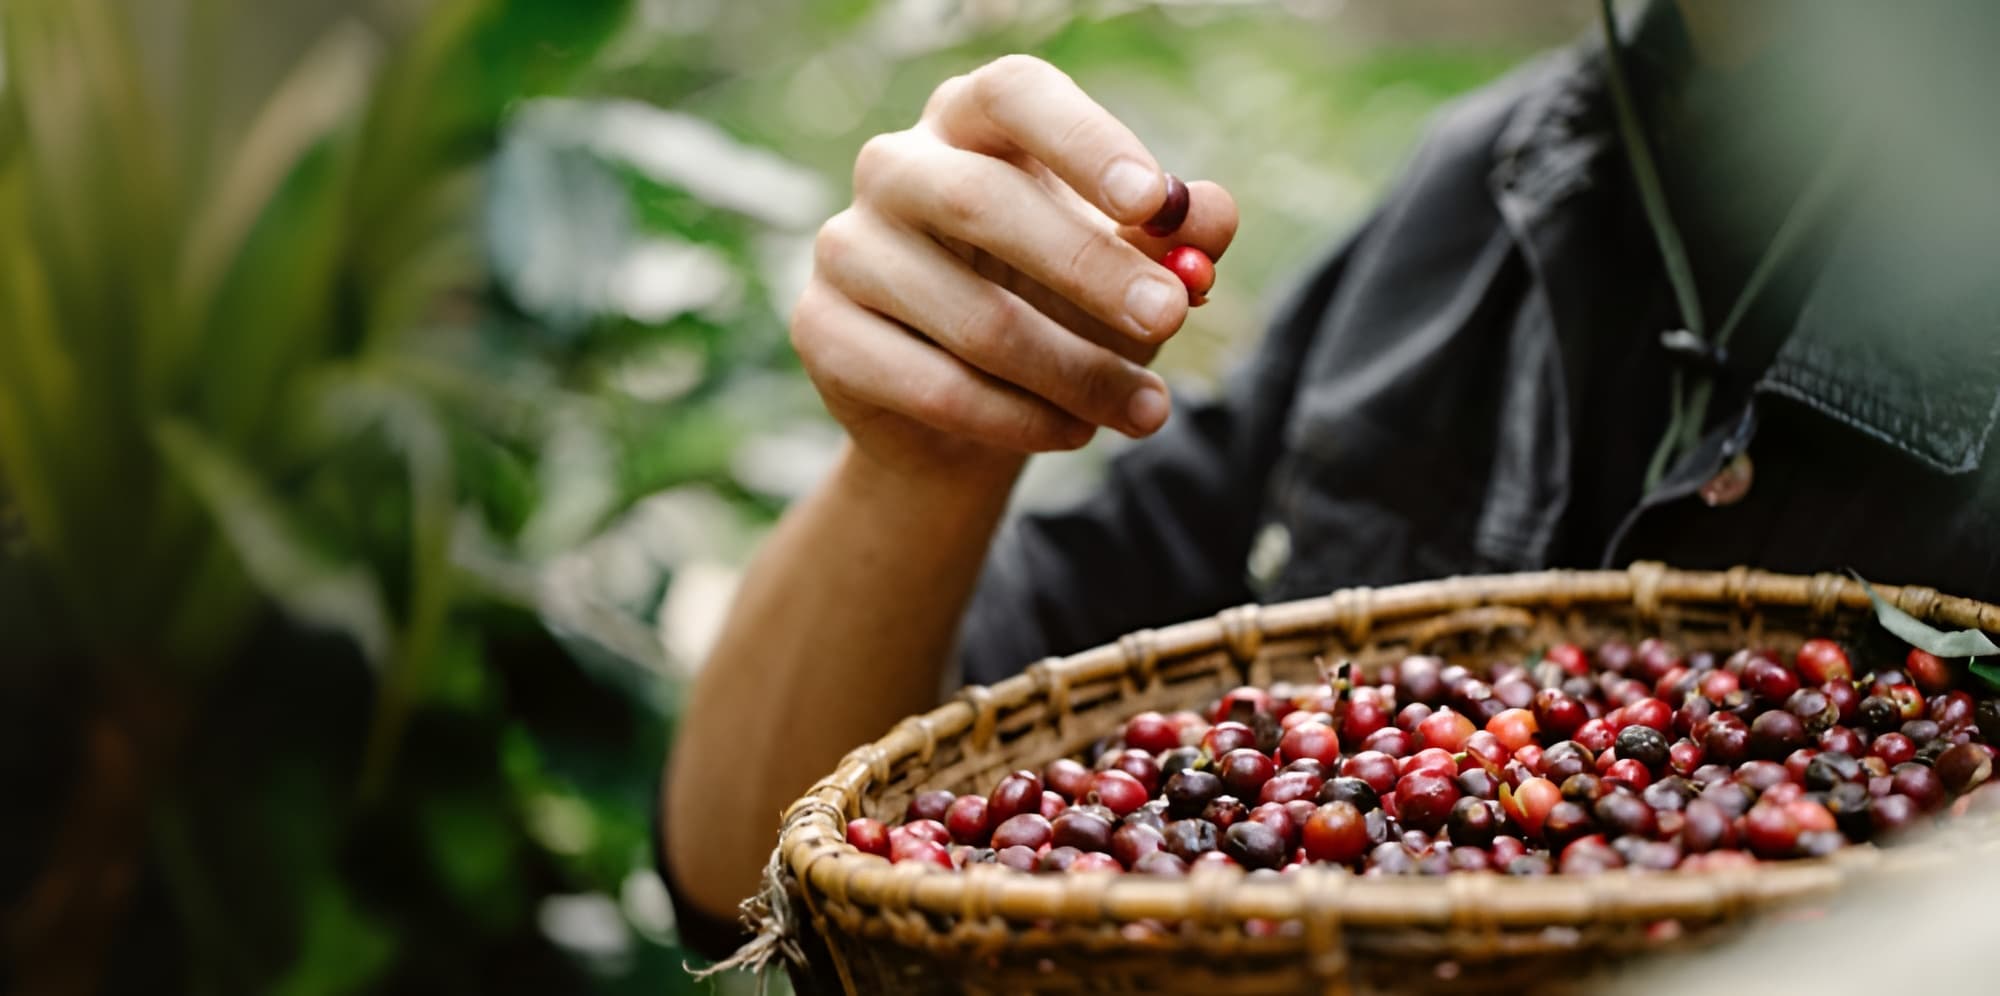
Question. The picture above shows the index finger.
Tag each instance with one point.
(1020, 104)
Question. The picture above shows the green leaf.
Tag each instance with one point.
(306, 581)
(1923, 636)
(1986, 671)
(343, 951)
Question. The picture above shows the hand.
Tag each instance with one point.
(990, 294)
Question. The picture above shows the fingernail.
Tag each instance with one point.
(1150, 302)
(1130, 186)
(1147, 410)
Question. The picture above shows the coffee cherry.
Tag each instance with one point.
(1315, 741)
(1161, 863)
(1484, 750)
(1225, 812)
(868, 836)
(1644, 744)
(1596, 735)
(1025, 830)
(1289, 785)
(1928, 671)
(1020, 792)
(1254, 845)
(1119, 791)
(1845, 697)
(1445, 730)
(1081, 829)
(1964, 767)
(1557, 714)
(1566, 821)
(1684, 757)
(1353, 791)
(1621, 813)
(1893, 749)
(1843, 740)
(1771, 831)
(1589, 855)
(1067, 778)
(1227, 736)
(1775, 734)
(1374, 767)
(1727, 740)
(1152, 733)
(1472, 823)
(1769, 680)
(1188, 839)
(930, 805)
(1920, 784)
(1361, 720)
(1956, 710)
(1335, 832)
(1194, 268)
(1189, 792)
(1172, 213)
(1908, 701)
(1132, 841)
(1239, 704)
(1477, 783)
(1893, 813)
(1528, 803)
(1878, 714)
(917, 850)
(1821, 661)
(1514, 728)
(966, 819)
(1424, 800)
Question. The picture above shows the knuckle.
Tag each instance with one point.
(941, 405)
(988, 324)
(964, 199)
(838, 242)
(1099, 385)
(1098, 252)
(877, 161)
(949, 94)
(995, 81)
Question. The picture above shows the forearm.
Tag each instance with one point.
(843, 625)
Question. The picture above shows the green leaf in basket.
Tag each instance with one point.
(1923, 636)
(1986, 671)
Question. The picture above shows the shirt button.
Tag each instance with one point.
(1269, 553)
(1731, 483)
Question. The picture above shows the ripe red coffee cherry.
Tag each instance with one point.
(1335, 832)
(1374, 767)
(1630, 772)
(1133, 841)
(1316, 741)
(1152, 732)
(1091, 861)
(1445, 729)
(1596, 735)
(1893, 749)
(869, 836)
(1052, 804)
(1929, 671)
(1194, 268)
(1771, 831)
(1821, 661)
(1769, 680)
(1424, 800)
(1118, 791)
(966, 819)
(929, 805)
(1392, 742)
(1362, 720)
(1246, 696)
(1558, 714)
(1515, 728)
(916, 850)
(931, 830)
(1571, 658)
(1067, 777)
(1025, 830)
(1245, 770)
(1227, 736)
(1528, 803)
(1289, 785)
(1141, 765)
(1908, 701)
(1020, 792)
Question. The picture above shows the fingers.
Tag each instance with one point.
(855, 355)
(1210, 224)
(1000, 209)
(907, 276)
(1019, 103)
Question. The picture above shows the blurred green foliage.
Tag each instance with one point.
(389, 391)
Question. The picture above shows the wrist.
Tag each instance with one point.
(972, 484)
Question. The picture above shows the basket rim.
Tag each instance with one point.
(812, 845)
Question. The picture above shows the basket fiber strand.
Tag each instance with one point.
(863, 925)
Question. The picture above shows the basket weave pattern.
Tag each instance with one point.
(989, 929)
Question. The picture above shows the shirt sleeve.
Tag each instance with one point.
(1168, 535)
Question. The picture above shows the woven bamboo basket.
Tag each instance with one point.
(852, 922)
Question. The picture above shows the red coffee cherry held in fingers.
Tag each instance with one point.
(1194, 268)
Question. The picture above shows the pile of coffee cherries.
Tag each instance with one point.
(1576, 762)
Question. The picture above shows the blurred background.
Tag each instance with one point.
(391, 390)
